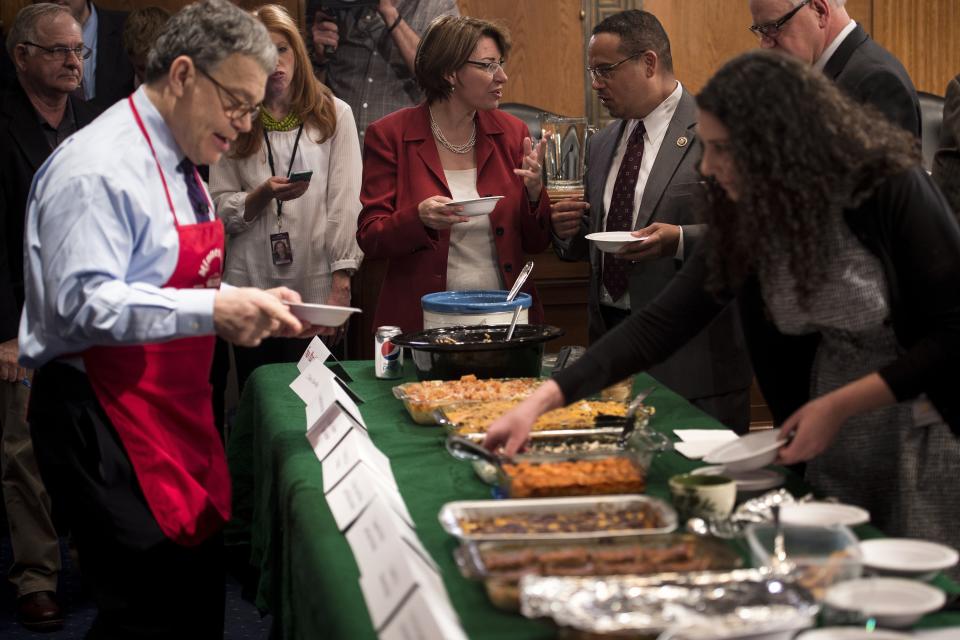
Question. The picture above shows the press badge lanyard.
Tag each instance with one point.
(273, 171)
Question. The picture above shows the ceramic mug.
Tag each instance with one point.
(702, 496)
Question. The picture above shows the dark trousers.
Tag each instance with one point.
(144, 585)
(731, 409)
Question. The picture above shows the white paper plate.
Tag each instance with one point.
(907, 557)
(323, 315)
(756, 480)
(611, 241)
(893, 602)
(477, 206)
(752, 451)
(823, 514)
(851, 633)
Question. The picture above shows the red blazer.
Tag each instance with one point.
(401, 168)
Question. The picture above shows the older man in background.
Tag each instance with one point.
(107, 74)
(821, 33)
(37, 113)
(123, 264)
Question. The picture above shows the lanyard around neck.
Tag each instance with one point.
(273, 170)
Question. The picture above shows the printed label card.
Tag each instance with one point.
(423, 618)
(316, 350)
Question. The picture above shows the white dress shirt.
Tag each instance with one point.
(656, 124)
(322, 223)
(100, 242)
(832, 48)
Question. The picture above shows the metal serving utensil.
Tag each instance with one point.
(513, 324)
(630, 423)
(778, 560)
(524, 274)
(464, 449)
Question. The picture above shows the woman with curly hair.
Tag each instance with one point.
(301, 129)
(844, 259)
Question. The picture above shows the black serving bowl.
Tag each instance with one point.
(479, 350)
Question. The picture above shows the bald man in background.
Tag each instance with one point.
(821, 33)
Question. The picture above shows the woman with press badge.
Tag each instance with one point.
(288, 193)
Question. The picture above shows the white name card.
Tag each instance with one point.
(328, 429)
(354, 449)
(423, 618)
(389, 567)
(316, 350)
(357, 490)
(312, 381)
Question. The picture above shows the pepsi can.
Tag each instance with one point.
(388, 357)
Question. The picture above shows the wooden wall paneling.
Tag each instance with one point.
(703, 35)
(924, 35)
(546, 65)
(862, 12)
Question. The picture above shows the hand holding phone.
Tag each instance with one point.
(301, 176)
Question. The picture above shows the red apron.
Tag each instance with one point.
(158, 397)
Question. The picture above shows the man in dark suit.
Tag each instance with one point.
(37, 112)
(946, 163)
(821, 33)
(108, 74)
(642, 177)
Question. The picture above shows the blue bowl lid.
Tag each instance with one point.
(474, 301)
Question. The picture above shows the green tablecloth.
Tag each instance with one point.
(308, 577)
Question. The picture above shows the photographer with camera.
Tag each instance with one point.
(365, 51)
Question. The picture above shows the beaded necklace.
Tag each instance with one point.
(289, 123)
(459, 149)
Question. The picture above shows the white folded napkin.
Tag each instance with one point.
(699, 442)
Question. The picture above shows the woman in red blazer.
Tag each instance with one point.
(456, 146)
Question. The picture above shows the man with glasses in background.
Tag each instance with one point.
(123, 261)
(821, 33)
(37, 113)
(107, 72)
(642, 176)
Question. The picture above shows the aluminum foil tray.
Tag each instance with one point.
(705, 606)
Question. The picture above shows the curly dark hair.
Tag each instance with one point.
(804, 152)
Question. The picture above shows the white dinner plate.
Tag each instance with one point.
(611, 241)
(477, 206)
(756, 480)
(752, 451)
(893, 602)
(823, 514)
(323, 315)
(907, 557)
(851, 633)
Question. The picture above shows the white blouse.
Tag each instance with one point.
(472, 257)
(322, 223)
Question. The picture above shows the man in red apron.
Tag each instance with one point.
(124, 257)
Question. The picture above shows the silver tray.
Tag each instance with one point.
(702, 606)
(452, 512)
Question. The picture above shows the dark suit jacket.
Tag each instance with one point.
(715, 361)
(401, 168)
(872, 75)
(23, 148)
(946, 163)
(114, 71)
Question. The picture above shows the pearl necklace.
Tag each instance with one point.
(460, 149)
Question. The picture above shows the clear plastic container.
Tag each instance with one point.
(822, 555)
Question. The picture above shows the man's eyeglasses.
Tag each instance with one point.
(603, 71)
(61, 53)
(237, 109)
(772, 29)
(489, 67)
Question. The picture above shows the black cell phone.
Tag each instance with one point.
(301, 176)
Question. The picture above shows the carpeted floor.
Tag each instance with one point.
(242, 620)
